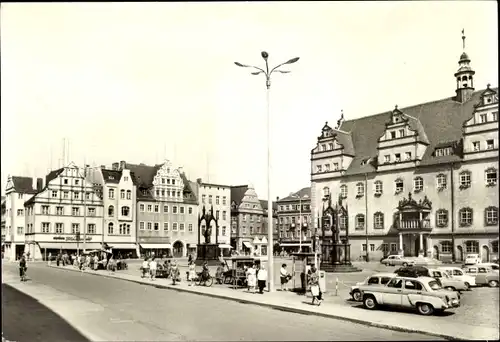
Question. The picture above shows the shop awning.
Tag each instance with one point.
(123, 245)
(69, 245)
(225, 246)
(247, 244)
(156, 245)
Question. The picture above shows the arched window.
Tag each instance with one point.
(360, 221)
(129, 194)
(125, 211)
(465, 217)
(111, 210)
(343, 191)
(122, 194)
(491, 216)
(110, 228)
(378, 220)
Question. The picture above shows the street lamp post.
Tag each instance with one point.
(267, 74)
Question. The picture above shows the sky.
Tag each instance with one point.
(144, 82)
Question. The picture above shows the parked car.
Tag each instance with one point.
(491, 265)
(425, 261)
(376, 279)
(472, 259)
(448, 282)
(458, 273)
(483, 275)
(423, 293)
(397, 260)
(413, 271)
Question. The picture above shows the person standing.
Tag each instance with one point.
(145, 267)
(251, 280)
(50, 259)
(174, 272)
(22, 268)
(192, 273)
(313, 280)
(284, 277)
(152, 268)
(262, 278)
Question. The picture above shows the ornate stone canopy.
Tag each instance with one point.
(410, 204)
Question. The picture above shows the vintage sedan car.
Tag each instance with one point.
(423, 293)
(448, 282)
(397, 260)
(458, 273)
(483, 275)
(472, 259)
(376, 279)
(491, 265)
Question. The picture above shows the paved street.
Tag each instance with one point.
(109, 309)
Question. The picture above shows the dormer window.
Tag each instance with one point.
(393, 135)
(327, 167)
(318, 168)
(397, 156)
(407, 155)
(330, 146)
(490, 144)
(364, 162)
(387, 158)
(323, 147)
(401, 133)
(476, 146)
(483, 118)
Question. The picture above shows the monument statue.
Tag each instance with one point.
(207, 234)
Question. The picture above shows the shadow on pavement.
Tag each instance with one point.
(26, 319)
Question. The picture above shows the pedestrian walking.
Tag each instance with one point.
(96, 262)
(284, 277)
(22, 268)
(251, 279)
(262, 278)
(313, 280)
(192, 273)
(174, 272)
(50, 259)
(152, 268)
(145, 267)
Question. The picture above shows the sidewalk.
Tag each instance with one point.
(331, 308)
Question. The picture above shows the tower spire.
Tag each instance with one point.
(463, 39)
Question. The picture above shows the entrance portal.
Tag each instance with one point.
(436, 252)
(460, 253)
(485, 254)
(178, 249)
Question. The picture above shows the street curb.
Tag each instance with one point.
(277, 307)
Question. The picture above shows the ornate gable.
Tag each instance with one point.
(410, 204)
(168, 176)
(488, 97)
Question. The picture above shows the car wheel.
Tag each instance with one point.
(425, 309)
(370, 303)
(405, 264)
(449, 288)
(493, 283)
(467, 286)
(356, 295)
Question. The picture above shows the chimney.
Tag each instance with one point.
(122, 164)
(34, 183)
(115, 166)
(39, 184)
(277, 198)
(198, 181)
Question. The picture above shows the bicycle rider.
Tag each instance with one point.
(205, 273)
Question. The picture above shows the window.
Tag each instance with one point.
(360, 189)
(490, 144)
(217, 198)
(65, 181)
(125, 211)
(491, 176)
(150, 208)
(150, 226)
(494, 116)
(111, 211)
(476, 146)
(157, 208)
(75, 228)
(482, 118)
(441, 218)
(318, 168)
(393, 135)
(472, 247)
(111, 228)
(360, 221)
(441, 181)
(224, 215)
(364, 247)
(446, 247)
(378, 187)
(397, 157)
(75, 211)
(401, 133)
(335, 166)
(465, 179)
(77, 182)
(190, 228)
(395, 283)
(181, 227)
(165, 226)
(141, 225)
(174, 209)
(54, 194)
(174, 226)
(418, 184)
(372, 247)
(91, 211)
(59, 228)
(209, 199)
(326, 191)
(413, 285)
(327, 167)
(387, 158)
(122, 194)
(91, 228)
(407, 155)
(491, 216)
(343, 191)
(399, 185)
(494, 246)
(217, 214)
(45, 227)
(65, 194)
(323, 147)
(394, 247)
(203, 197)
(45, 210)
(342, 222)
(330, 146)
(20, 212)
(243, 230)
(181, 210)
(141, 207)
(378, 220)
(223, 200)
(465, 216)
(156, 226)
(251, 230)
(111, 194)
(129, 194)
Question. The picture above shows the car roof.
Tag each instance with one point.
(383, 274)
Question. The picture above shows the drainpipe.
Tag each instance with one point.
(452, 216)
(366, 217)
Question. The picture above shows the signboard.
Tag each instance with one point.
(70, 238)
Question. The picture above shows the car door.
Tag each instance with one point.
(481, 275)
(458, 274)
(390, 260)
(392, 293)
(412, 292)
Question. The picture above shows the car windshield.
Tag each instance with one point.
(434, 285)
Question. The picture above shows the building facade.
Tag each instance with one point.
(263, 234)
(293, 211)
(2, 223)
(167, 210)
(17, 191)
(67, 206)
(246, 220)
(219, 197)
(420, 180)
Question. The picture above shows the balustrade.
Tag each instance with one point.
(415, 224)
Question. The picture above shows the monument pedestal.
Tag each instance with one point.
(336, 258)
(208, 252)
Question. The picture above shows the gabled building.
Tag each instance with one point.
(292, 211)
(419, 180)
(167, 210)
(17, 191)
(64, 215)
(246, 216)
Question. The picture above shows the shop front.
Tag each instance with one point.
(158, 250)
(124, 250)
(260, 246)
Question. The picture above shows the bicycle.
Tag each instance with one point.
(206, 280)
